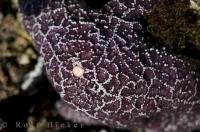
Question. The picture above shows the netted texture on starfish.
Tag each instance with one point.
(125, 82)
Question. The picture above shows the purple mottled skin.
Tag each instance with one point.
(126, 82)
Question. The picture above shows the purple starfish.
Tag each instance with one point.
(102, 65)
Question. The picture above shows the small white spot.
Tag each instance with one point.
(78, 71)
(103, 130)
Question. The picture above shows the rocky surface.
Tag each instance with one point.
(176, 24)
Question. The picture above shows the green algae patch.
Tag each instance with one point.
(17, 54)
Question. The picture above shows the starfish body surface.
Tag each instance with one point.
(125, 81)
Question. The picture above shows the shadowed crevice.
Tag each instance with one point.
(93, 4)
(32, 7)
